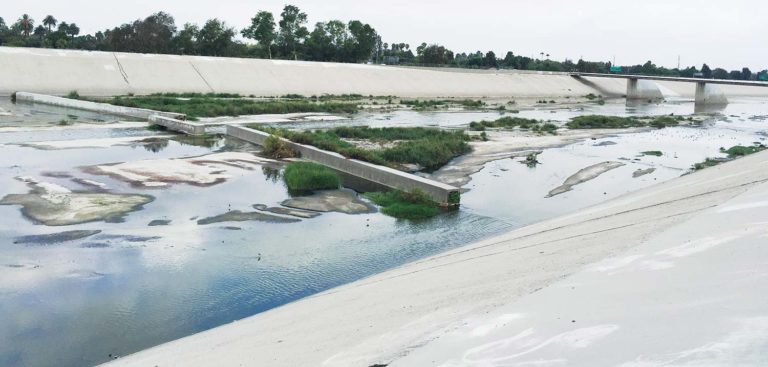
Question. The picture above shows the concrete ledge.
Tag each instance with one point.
(107, 108)
(191, 128)
(389, 177)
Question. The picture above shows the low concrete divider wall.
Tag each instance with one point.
(107, 108)
(191, 128)
(392, 178)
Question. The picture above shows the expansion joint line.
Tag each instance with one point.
(202, 77)
(122, 71)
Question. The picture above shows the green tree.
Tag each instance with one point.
(26, 24)
(215, 38)
(362, 41)
(490, 60)
(292, 30)
(50, 22)
(706, 71)
(720, 73)
(262, 30)
(746, 74)
(185, 43)
(734, 74)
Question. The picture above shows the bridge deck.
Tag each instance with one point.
(745, 83)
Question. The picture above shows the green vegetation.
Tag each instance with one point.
(198, 105)
(431, 104)
(733, 153)
(617, 122)
(709, 162)
(430, 148)
(603, 122)
(412, 205)
(740, 150)
(276, 148)
(305, 177)
(591, 96)
(195, 95)
(73, 95)
(656, 153)
(508, 122)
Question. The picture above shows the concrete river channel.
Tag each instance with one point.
(115, 238)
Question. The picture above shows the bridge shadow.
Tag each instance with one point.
(604, 92)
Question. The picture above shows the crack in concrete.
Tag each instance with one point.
(122, 71)
(202, 77)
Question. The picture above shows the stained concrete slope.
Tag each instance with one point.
(692, 295)
(112, 73)
(388, 316)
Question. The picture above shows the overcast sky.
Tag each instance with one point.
(729, 34)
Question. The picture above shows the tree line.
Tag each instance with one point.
(290, 38)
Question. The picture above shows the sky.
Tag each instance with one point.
(724, 34)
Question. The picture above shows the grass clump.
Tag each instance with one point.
(432, 104)
(656, 153)
(709, 162)
(305, 177)
(740, 150)
(603, 122)
(276, 148)
(665, 121)
(200, 105)
(194, 95)
(429, 148)
(508, 122)
(412, 205)
(73, 95)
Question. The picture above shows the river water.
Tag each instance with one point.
(133, 286)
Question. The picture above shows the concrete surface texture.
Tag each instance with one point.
(643, 89)
(94, 106)
(392, 178)
(106, 73)
(671, 273)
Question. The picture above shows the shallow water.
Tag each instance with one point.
(76, 303)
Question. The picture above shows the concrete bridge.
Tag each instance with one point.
(641, 87)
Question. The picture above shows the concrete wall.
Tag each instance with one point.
(191, 128)
(386, 176)
(140, 113)
(107, 73)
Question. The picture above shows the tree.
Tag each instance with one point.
(215, 38)
(706, 71)
(50, 22)
(735, 75)
(185, 42)
(154, 34)
(720, 73)
(26, 24)
(262, 30)
(746, 74)
(361, 43)
(292, 30)
(73, 30)
(490, 60)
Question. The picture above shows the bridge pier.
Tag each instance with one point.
(639, 89)
(709, 95)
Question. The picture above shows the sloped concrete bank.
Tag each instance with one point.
(106, 73)
(389, 316)
(392, 178)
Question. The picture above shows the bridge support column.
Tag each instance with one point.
(639, 89)
(709, 95)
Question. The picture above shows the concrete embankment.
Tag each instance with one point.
(392, 178)
(386, 317)
(105, 108)
(107, 73)
(170, 120)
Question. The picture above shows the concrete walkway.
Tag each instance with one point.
(672, 273)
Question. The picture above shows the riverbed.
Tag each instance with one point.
(160, 271)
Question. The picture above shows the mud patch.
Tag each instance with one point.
(53, 238)
(287, 211)
(238, 216)
(584, 175)
(643, 172)
(54, 205)
(204, 170)
(159, 222)
(341, 201)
